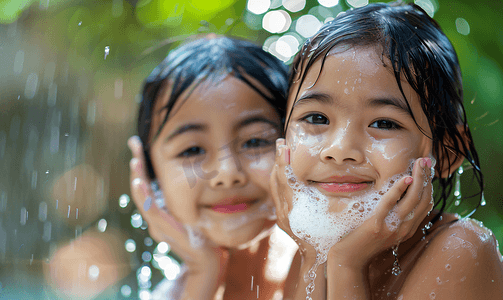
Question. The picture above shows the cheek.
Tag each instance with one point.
(304, 146)
(180, 190)
(392, 156)
(260, 168)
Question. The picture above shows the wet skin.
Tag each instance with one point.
(348, 134)
(356, 118)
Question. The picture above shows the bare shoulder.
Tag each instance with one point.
(460, 261)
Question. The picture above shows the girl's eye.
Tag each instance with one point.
(316, 119)
(192, 151)
(257, 143)
(385, 124)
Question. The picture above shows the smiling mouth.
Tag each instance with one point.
(232, 208)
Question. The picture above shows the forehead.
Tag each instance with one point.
(229, 98)
(363, 67)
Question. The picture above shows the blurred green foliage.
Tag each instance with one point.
(139, 34)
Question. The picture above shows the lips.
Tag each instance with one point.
(232, 205)
(343, 184)
(334, 187)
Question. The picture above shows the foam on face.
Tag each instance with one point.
(311, 220)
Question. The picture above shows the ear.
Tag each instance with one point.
(455, 159)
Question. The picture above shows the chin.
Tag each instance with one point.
(240, 237)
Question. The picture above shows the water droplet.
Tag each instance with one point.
(432, 295)
(483, 201)
(107, 51)
(126, 290)
(396, 270)
(130, 245)
(448, 267)
(124, 200)
(80, 23)
(136, 220)
(42, 211)
(460, 170)
(148, 241)
(46, 236)
(94, 272)
(146, 256)
(457, 187)
(102, 225)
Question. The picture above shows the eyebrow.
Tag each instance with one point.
(192, 127)
(324, 98)
(256, 119)
(389, 101)
(310, 97)
(199, 127)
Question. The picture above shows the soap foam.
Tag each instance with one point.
(311, 221)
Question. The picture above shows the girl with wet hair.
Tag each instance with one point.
(209, 118)
(375, 116)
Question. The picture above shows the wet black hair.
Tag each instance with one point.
(421, 53)
(209, 59)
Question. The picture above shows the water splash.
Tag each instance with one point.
(107, 51)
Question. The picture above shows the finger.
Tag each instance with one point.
(416, 192)
(282, 153)
(390, 199)
(135, 145)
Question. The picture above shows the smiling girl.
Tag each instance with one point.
(375, 112)
(209, 118)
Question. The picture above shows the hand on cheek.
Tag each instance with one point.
(396, 218)
(283, 195)
(207, 264)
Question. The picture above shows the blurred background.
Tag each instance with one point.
(70, 75)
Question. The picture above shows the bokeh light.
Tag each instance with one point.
(258, 6)
(294, 5)
(277, 21)
(357, 3)
(287, 45)
(307, 25)
(328, 3)
(427, 5)
(462, 26)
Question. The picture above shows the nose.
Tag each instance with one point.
(344, 146)
(230, 172)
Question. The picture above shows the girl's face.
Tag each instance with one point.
(213, 160)
(351, 132)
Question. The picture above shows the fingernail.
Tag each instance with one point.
(428, 162)
(408, 180)
(278, 151)
(422, 163)
(287, 156)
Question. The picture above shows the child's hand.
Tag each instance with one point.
(374, 236)
(206, 264)
(282, 196)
